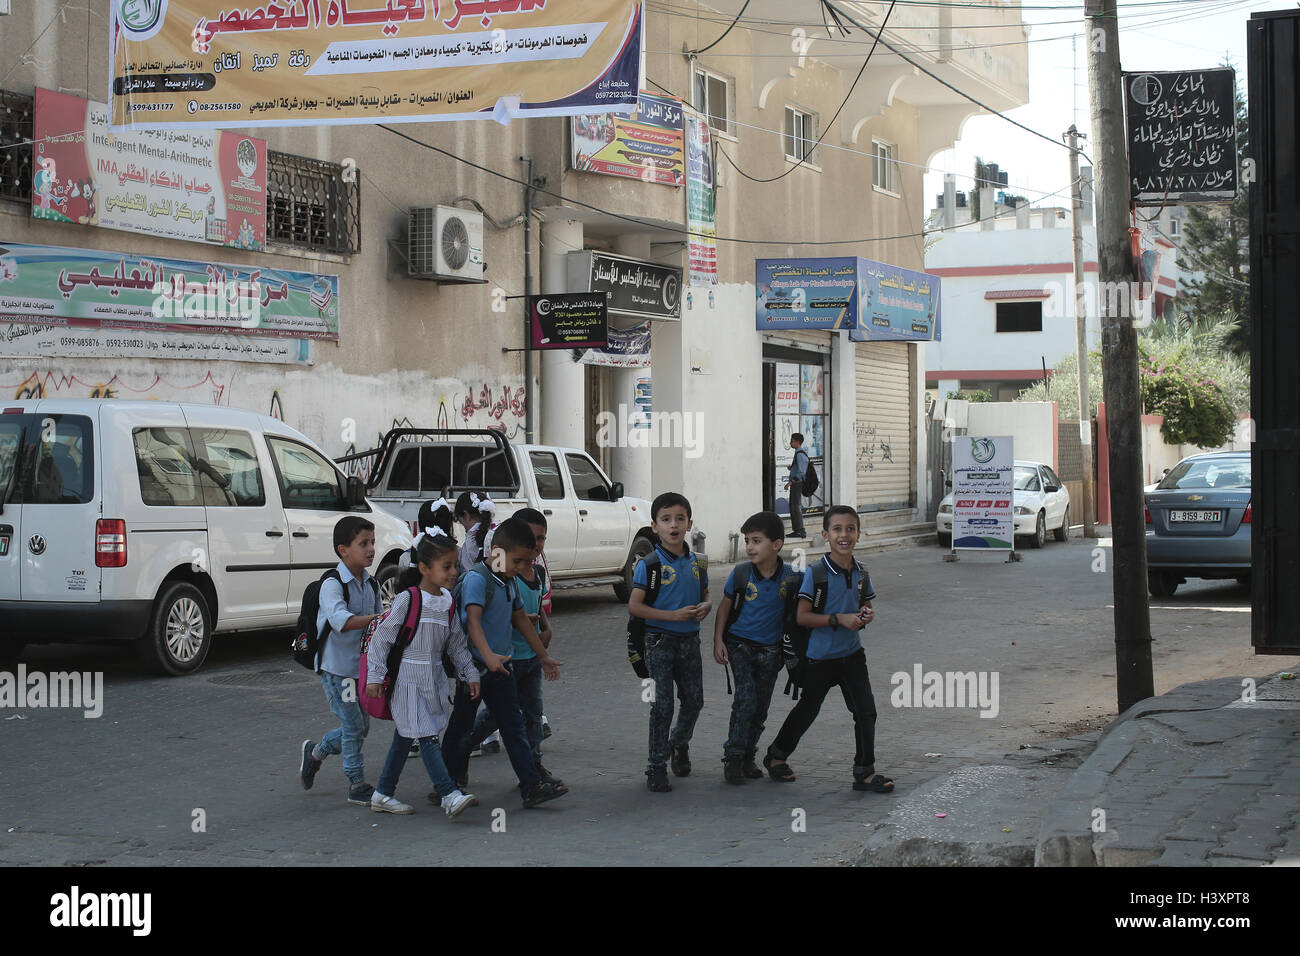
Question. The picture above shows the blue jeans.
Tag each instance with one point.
(430, 752)
(354, 724)
(498, 692)
(528, 686)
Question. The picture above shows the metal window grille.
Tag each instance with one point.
(308, 204)
(17, 125)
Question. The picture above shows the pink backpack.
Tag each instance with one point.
(380, 706)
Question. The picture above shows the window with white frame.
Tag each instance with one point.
(800, 137)
(885, 167)
(713, 99)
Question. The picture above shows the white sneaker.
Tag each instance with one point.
(456, 801)
(382, 804)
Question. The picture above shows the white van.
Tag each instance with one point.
(163, 524)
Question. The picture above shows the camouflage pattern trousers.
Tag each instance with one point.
(756, 667)
(673, 658)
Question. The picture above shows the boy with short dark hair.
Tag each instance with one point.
(835, 656)
(672, 637)
(747, 635)
(532, 584)
(490, 603)
(348, 604)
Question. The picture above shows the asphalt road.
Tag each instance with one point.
(124, 789)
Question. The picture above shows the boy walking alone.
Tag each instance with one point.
(349, 601)
(747, 635)
(835, 656)
(672, 637)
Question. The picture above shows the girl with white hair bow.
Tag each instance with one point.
(475, 515)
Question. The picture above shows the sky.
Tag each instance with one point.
(1191, 34)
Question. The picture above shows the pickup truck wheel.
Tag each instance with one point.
(180, 631)
(387, 581)
(640, 548)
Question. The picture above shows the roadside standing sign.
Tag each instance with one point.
(982, 497)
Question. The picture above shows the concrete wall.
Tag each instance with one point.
(1031, 424)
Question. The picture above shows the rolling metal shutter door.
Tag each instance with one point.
(883, 427)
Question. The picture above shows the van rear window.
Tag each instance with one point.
(47, 459)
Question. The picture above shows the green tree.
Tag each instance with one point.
(1215, 243)
(1199, 384)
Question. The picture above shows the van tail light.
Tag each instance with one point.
(110, 543)
(1245, 519)
(1148, 513)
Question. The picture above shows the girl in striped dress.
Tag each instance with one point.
(422, 693)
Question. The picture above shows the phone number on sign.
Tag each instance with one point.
(107, 343)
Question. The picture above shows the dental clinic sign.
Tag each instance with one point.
(982, 496)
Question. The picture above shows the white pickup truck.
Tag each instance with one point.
(595, 534)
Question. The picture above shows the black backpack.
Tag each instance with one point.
(636, 625)
(308, 643)
(794, 645)
(810, 481)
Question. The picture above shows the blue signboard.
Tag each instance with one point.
(895, 304)
(873, 300)
(806, 293)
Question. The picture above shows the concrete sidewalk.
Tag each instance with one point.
(1194, 777)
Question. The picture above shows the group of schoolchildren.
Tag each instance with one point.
(484, 633)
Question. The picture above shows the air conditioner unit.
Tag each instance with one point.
(445, 243)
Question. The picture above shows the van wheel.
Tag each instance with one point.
(386, 578)
(640, 548)
(10, 650)
(180, 632)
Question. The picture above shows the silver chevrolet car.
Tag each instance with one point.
(1198, 522)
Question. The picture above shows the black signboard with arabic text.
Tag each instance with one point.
(643, 290)
(572, 320)
(1182, 136)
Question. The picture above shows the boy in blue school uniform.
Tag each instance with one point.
(490, 623)
(341, 621)
(672, 638)
(835, 656)
(747, 635)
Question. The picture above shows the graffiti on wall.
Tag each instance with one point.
(872, 449)
(208, 390)
(505, 412)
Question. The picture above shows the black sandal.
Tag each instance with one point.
(875, 782)
(781, 772)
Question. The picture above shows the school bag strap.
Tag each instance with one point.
(653, 577)
(740, 583)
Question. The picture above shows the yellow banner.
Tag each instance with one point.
(207, 64)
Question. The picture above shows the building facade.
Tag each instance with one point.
(806, 162)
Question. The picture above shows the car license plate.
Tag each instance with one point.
(1196, 516)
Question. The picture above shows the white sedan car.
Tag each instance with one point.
(1040, 503)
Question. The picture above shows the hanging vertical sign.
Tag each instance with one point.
(702, 244)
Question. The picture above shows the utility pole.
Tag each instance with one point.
(529, 391)
(1116, 297)
(1081, 333)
